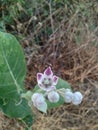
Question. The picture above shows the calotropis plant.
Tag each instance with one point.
(53, 90)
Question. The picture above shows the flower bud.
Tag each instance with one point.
(27, 95)
(38, 99)
(68, 96)
(77, 98)
(53, 96)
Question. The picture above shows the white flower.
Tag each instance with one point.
(68, 96)
(53, 96)
(77, 98)
(38, 100)
(47, 81)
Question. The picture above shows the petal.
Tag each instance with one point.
(39, 77)
(42, 86)
(48, 72)
(55, 80)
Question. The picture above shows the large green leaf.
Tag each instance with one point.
(12, 74)
(12, 66)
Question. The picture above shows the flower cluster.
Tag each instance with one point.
(75, 98)
(47, 82)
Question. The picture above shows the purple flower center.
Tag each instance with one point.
(47, 82)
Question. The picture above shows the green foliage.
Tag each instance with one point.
(12, 74)
(12, 66)
(14, 108)
(14, 15)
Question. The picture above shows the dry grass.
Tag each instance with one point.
(9, 124)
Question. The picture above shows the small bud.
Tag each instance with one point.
(27, 95)
(38, 99)
(68, 96)
(77, 98)
(53, 96)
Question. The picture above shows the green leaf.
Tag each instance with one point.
(63, 84)
(28, 120)
(12, 74)
(12, 66)
(16, 109)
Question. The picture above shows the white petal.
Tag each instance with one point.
(42, 86)
(68, 96)
(77, 98)
(53, 96)
(40, 77)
